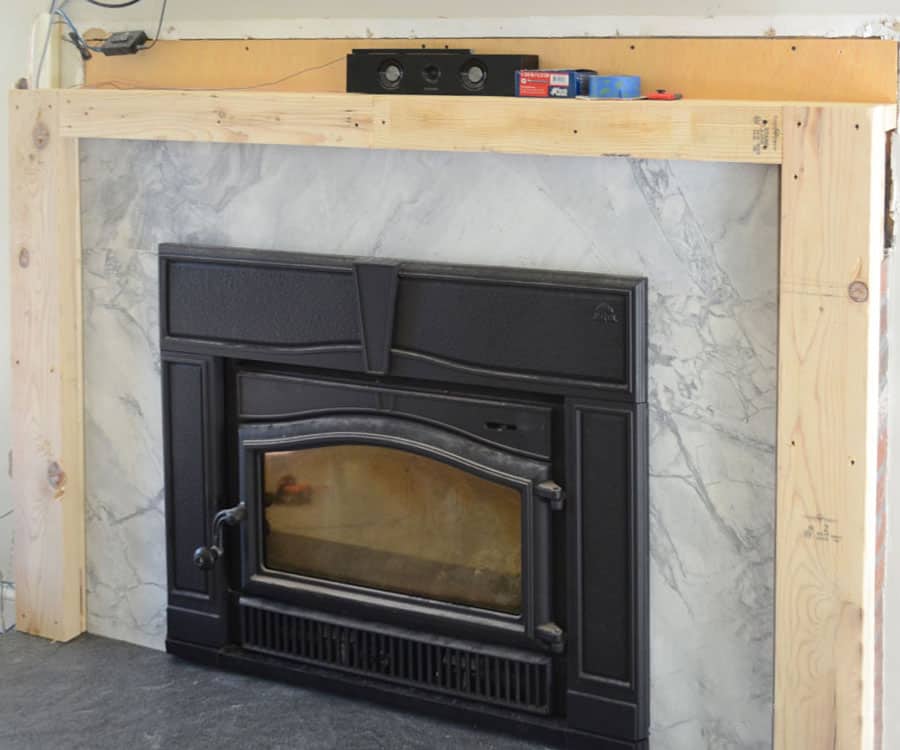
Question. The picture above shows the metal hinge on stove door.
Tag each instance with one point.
(551, 493)
(552, 636)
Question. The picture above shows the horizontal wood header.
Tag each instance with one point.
(822, 70)
(727, 131)
(706, 131)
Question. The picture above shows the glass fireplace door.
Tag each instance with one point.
(395, 513)
(393, 520)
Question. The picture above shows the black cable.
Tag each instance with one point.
(162, 17)
(101, 4)
(289, 76)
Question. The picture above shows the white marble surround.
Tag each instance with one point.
(704, 234)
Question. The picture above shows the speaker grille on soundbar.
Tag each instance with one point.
(500, 676)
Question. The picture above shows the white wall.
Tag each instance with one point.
(237, 9)
(401, 18)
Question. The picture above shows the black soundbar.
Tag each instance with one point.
(434, 71)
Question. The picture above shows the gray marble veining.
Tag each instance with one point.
(704, 234)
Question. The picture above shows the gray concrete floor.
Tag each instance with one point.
(94, 694)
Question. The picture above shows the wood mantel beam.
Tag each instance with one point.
(730, 131)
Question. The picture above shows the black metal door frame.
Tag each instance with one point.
(440, 617)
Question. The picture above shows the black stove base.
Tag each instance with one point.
(534, 728)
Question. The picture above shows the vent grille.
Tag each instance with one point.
(503, 677)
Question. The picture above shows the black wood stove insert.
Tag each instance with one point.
(421, 484)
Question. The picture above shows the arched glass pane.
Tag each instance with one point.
(393, 520)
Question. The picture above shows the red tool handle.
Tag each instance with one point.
(663, 95)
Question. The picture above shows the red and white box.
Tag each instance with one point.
(552, 84)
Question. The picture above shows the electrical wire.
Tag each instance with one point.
(77, 34)
(159, 25)
(126, 85)
(162, 17)
(40, 66)
(101, 4)
(77, 37)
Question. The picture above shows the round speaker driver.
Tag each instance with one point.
(473, 75)
(390, 73)
(431, 74)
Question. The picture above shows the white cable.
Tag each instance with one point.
(36, 83)
(56, 9)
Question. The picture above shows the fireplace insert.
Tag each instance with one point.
(420, 484)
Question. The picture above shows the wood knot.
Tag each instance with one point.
(24, 258)
(56, 478)
(40, 135)
(858, 291)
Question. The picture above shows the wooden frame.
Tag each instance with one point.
(832, 159)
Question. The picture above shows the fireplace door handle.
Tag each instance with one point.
(205, 557)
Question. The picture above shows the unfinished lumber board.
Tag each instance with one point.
(698, 130)
(832, 241)
(226, 117)
(702, 130)
(47, 462)
(826, 70)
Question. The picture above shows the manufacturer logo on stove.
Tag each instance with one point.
(605, 313)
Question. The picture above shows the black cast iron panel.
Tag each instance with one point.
(193, 415)
(499, 676)
(277, 306)
(376, 293)
(608, 531)
(522, 427)
(549, 332)
(523, 327)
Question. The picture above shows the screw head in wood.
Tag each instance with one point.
(40, 135)
(858, 291)
(24, 257)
